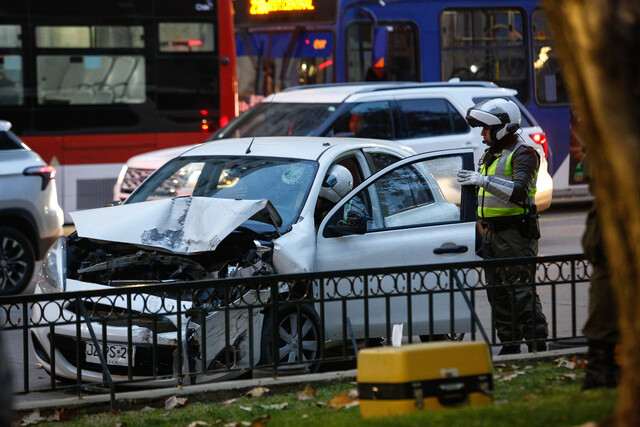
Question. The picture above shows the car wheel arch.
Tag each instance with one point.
(22, 221)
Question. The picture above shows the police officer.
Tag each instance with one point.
(506, 210)
(601, 327)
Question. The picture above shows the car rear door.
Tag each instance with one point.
(435, 121)
(416, 213)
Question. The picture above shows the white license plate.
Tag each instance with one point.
(117, 354)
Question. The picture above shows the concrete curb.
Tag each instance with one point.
(227, 389)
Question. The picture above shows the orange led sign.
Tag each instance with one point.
(319, 44)
(264, 7)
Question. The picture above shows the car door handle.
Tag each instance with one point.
(450, 250)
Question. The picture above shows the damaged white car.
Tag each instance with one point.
(253, 207)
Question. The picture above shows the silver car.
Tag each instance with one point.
(30, 217)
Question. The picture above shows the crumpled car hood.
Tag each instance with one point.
(185, 225)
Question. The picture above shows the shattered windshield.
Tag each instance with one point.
(284, 182)
(278, 119)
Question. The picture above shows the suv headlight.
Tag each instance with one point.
(53, 273)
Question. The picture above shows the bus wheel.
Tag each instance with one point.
(17, 261)
(291, 347)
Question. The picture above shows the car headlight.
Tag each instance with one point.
(53, 273)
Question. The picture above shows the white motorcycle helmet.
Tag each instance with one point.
(502, 114)
(337, 184)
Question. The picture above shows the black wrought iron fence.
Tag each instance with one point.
(192, 332)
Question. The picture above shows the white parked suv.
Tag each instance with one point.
(30, 217)
(423, 116)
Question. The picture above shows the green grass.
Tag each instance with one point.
(543, 395)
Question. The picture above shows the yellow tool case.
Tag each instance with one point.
(429, 376)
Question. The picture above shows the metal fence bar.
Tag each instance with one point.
(103, 362)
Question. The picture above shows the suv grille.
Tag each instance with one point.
(133, 178)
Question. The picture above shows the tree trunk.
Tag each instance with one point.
(597, 42)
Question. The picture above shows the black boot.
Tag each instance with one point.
(509, 349)
(537, 346)
(602, 370)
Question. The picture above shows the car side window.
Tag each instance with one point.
(431, 117)
(421, 193)
(379, 161)
(365, 120)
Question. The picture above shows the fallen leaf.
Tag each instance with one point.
(511, 376)
(245, 423)
(31, 418)
(198, 423)
(275, 406)
(353, 393)
(246, 408)
(352, 404)
(529, 397)
(500, 365)
(229, 402)
(257, 392)
(339, 400)
(305, 416)
(260, 421)
(147, 409)
(565, 362)
(174, 401)
(307, 394)
(572, 377)
(319, 404)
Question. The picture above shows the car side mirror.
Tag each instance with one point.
(354, 223)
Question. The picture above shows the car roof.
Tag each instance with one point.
(341, 92)
(308, 148)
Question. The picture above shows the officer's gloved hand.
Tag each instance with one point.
(466, 177)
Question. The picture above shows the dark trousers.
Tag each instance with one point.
(516, 306)
(601, 325)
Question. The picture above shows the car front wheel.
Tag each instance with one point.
(294, 344)
(17, 261)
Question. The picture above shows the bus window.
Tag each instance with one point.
(90, 37)
(10, 36)
(269, 62)
(90, 79)
(11, 87)
(186, 37)
(400, 62)
(485, 44)
(549, 85)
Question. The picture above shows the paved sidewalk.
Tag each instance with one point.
(227, 389)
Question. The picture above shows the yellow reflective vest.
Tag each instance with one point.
(490, 206)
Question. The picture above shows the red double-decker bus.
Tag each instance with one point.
(87, 84)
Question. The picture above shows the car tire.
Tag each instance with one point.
(17, 261)
(287, 340)
(442, 337)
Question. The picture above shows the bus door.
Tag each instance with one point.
(381, 52)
